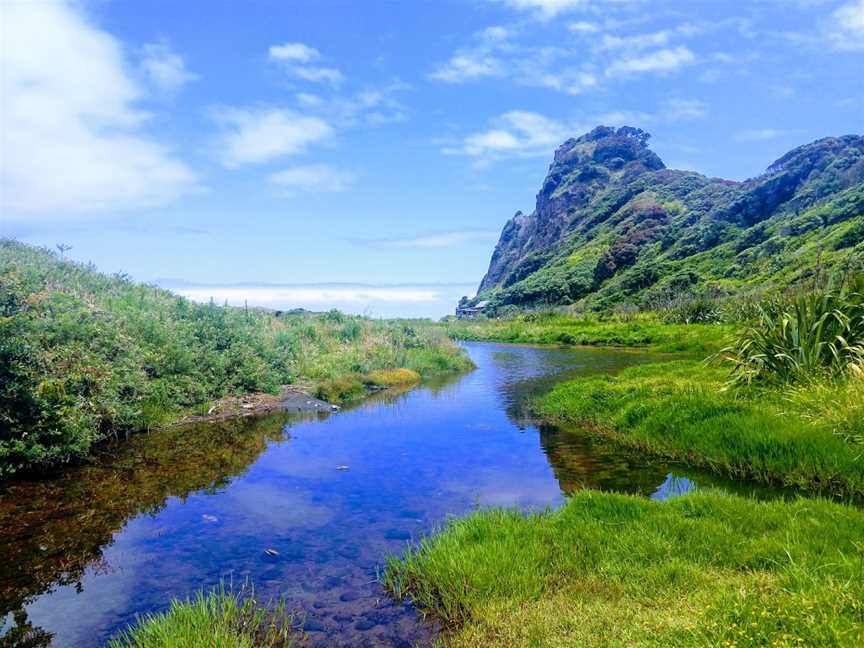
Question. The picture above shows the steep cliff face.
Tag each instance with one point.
(612, 224)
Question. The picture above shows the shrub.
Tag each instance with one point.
(85, 356)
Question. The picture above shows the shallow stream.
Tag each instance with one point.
(305, 508)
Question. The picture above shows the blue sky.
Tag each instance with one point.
(365, 155)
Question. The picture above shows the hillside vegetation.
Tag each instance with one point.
(613, 226)
(85, 356)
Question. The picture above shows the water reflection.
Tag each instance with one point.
(310, 515)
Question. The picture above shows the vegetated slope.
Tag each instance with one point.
(84, 356)
(612, 225)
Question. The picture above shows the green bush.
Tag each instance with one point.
(85, 356)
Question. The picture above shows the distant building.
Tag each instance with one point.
(471, 312)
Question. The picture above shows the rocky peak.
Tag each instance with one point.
(599, 156)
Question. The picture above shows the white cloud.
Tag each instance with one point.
(73, 140)
(368, 107)
(583, 27)
(494, 55)
(544, 9)
(297, 59)
(263, 134)
(439, 240)
(294, 52)
(634, 42)
(684, 109)
(311, 73)
(164, 68)
(846, 28)
(469, 66)
(573, 67)
(663, 60)
(312, 178)
(517, 133)
(758, 134)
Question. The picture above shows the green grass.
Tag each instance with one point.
(643, 330)
(807, 437)
(216, 619)
(85, 356)
(705, 569)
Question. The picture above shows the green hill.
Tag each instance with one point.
(613, 225)
(85, 356)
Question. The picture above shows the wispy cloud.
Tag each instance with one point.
(610, 55)
(74, 139)
(164, 68)
(371, 106)
(265, 133)
(658, 61)
(438, 240)
(311, 178)
(517, 133)
(758, 134)
(544, 9)
(846, 27)
(684, 109)
(520, 133)
(299, 60)
(495, 53)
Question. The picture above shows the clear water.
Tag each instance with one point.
(167, 513)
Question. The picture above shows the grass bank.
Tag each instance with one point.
(701, 570)
(85, 356)
(641, 329)
(809, 435)
(213, 619)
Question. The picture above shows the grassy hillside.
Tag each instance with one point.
(84, 356)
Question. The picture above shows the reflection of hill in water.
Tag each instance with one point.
(51, 530)
(581, 461)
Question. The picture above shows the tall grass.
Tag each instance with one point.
(817, 333)
(704, 569)
(220, 618)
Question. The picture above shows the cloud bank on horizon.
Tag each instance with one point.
(305, 153)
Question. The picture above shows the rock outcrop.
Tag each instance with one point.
(613, 224)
